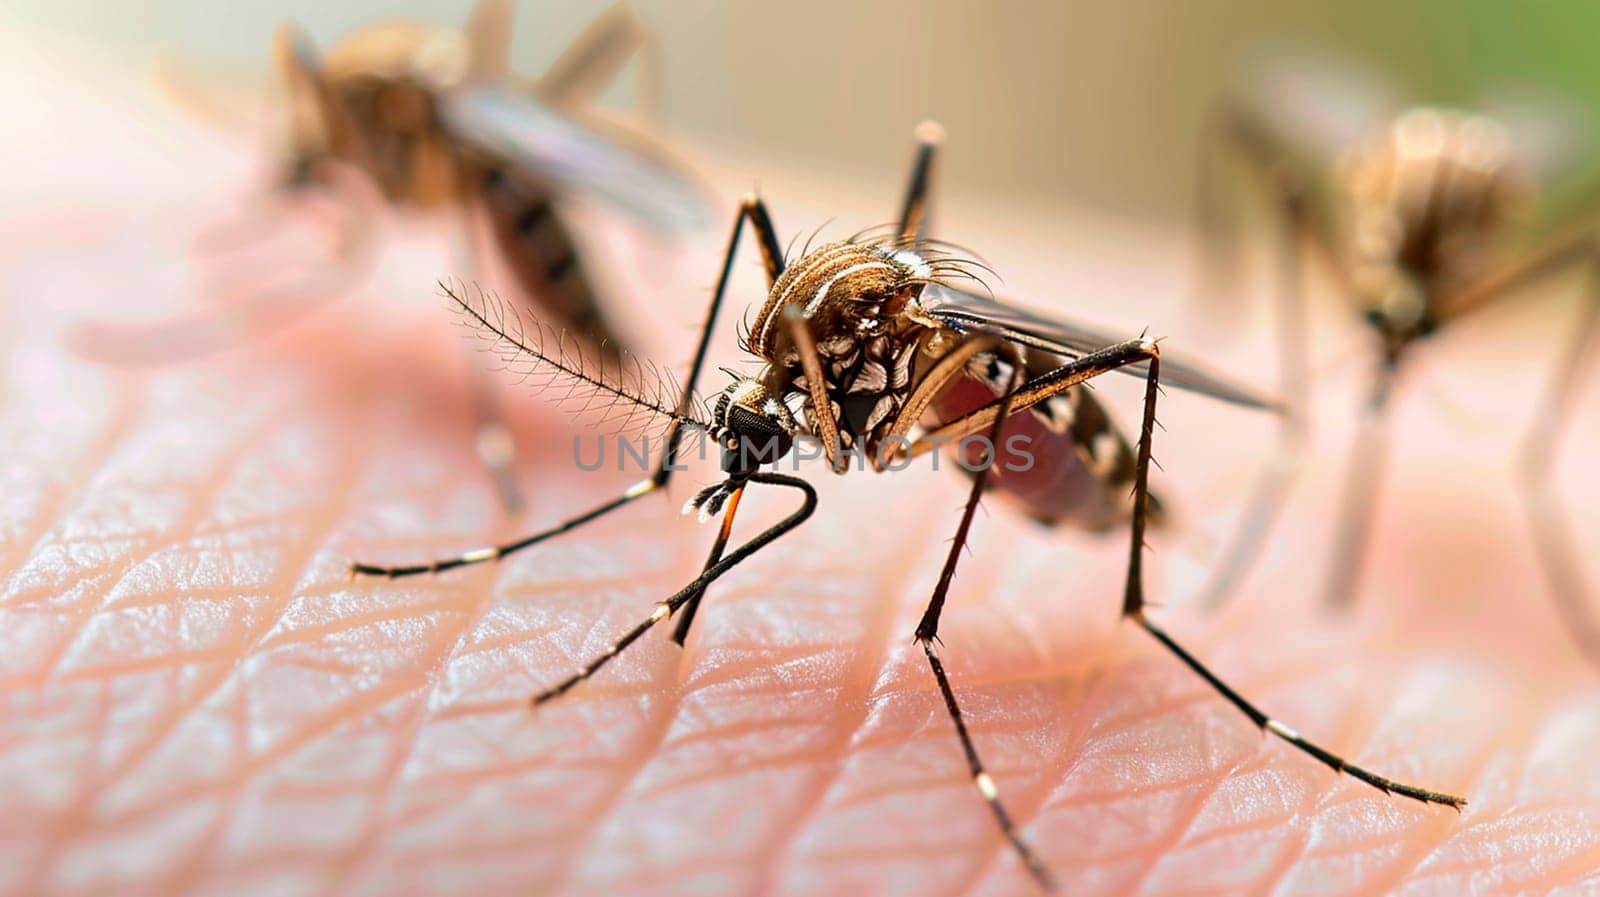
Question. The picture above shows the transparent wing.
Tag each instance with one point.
(1320, 107)
(971, 313)
(1553, 140)
(1550, 134)
(558, 150)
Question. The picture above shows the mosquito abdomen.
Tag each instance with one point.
(540, 251)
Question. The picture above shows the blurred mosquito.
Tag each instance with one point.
(1418, 216)
(430, 119)
(873, 344)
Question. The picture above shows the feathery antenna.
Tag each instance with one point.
(627, 393)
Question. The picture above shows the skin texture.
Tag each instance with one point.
(197, 701)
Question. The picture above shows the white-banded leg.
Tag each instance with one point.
(712, 571)
(753, 210)
(1133, 604)
(927, 636)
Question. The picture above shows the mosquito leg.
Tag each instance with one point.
(1239, 136)
(1267, 723)
(488, 33)
(1215, 225)
(927, 636)
(1275, 477)
(980, 778)
(1271, 489)
(713, 571)
(1134, 352)
(262, 216)
(594, 57)
(1133, 592)
(1051, 383)
(816, 383)
(753, 210)
(1359, 495)
(492, 440)
(680, 631)
(315, 107)
(496, 552)
(950, 366)
(1134, 602)
(914, 212)
(1558, 553)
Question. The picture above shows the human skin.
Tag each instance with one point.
(198, 700)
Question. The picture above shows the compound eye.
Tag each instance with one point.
(754, 426)
(756, 438)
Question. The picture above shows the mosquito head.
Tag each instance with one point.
(1396, 308)
(369, 102)
(753, 427)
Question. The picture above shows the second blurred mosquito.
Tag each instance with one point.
(1422, 220)
(876, 345)
(431, 119)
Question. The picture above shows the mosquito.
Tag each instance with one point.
(1421, 218)
(429, 119)
(876, 344)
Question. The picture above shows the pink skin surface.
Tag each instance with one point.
(197, 701)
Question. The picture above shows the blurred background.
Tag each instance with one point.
(1090, 104)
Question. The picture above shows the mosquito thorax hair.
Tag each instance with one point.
(859, 301)
(845, 291)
